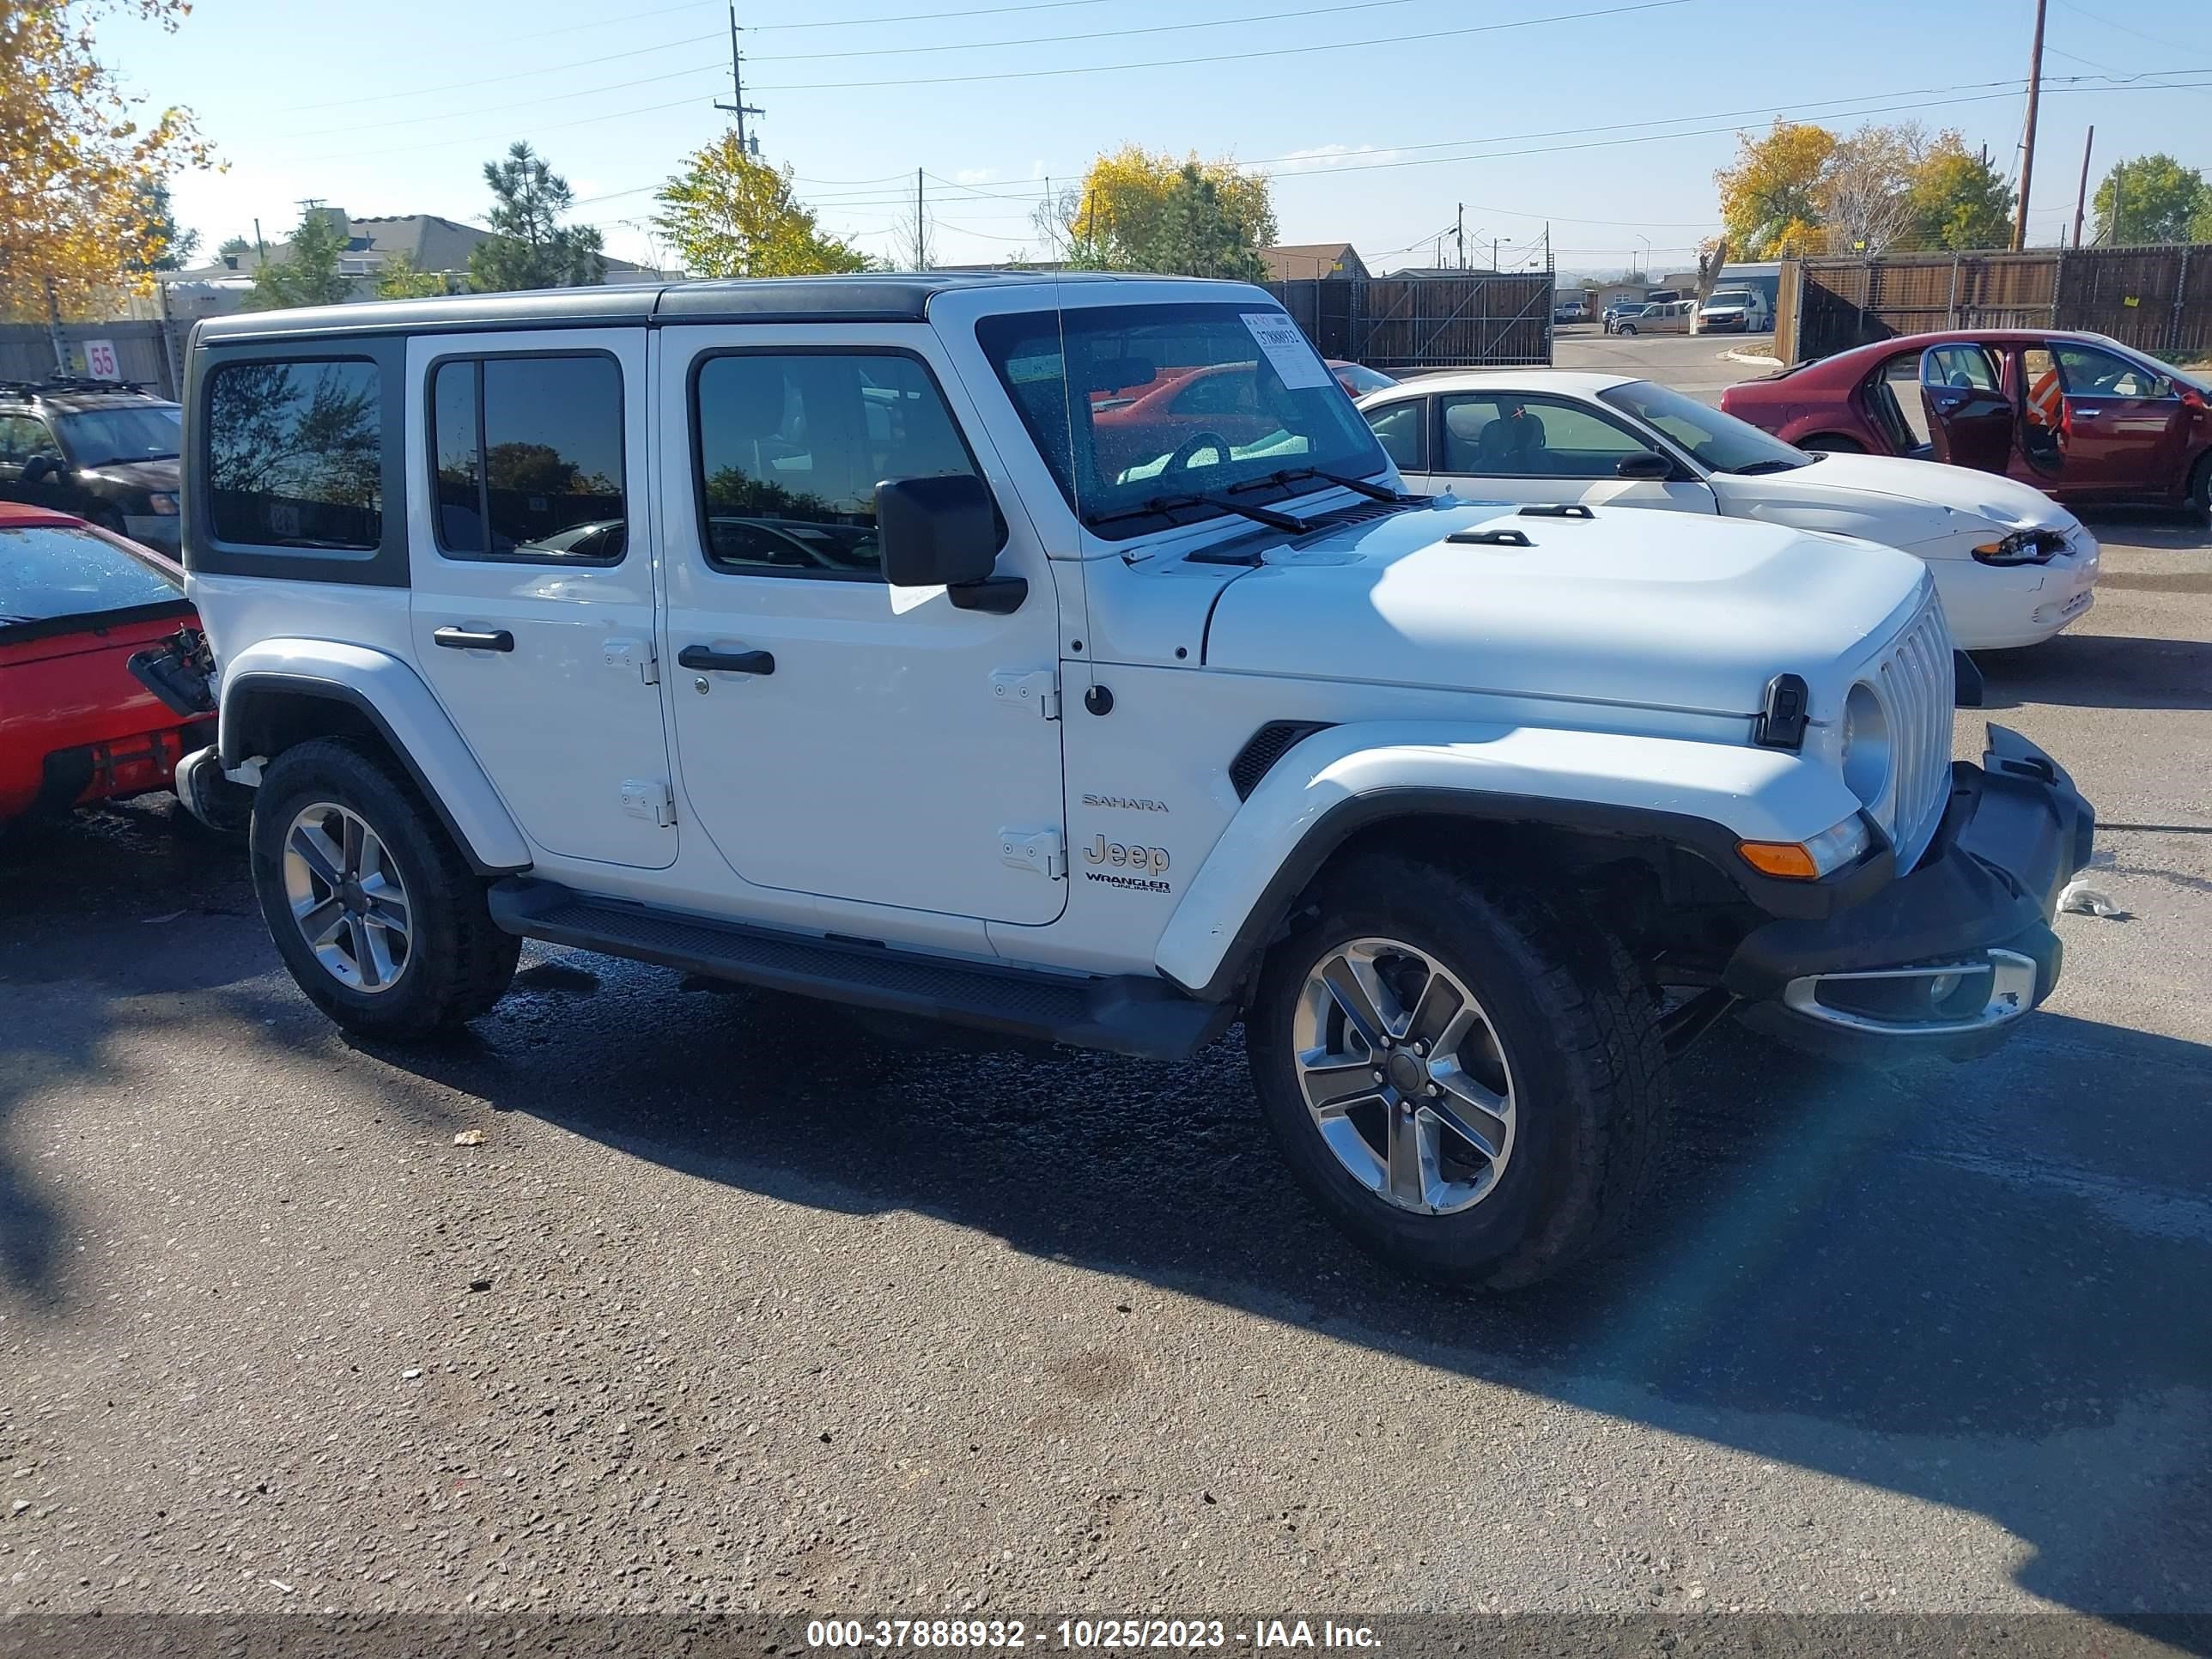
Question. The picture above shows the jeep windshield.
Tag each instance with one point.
(1145, 411)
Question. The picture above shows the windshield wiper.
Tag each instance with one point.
(1374, 492)
(1268, 516)
(1758, 467)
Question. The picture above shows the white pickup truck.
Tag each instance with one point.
(1061, 657)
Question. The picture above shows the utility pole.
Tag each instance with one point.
(1494, 254)
(739, 108)
(2081, 195)
(2027, 139)
(1461, 234)
(54, 330)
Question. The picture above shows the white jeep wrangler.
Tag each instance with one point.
(1060, 657)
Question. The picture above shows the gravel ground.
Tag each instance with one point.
(737, 1306)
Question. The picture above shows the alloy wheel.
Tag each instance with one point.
(347, 897)
(1404, 1076)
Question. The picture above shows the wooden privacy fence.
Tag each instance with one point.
(1409, 322)
(2155, 299)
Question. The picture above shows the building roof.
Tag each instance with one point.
(1294, 261)
(888, 297)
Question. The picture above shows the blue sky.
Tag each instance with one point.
(1606, 117)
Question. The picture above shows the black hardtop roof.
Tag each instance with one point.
(890, 297)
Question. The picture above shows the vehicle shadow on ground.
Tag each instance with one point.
(1984, 1287)
(102, 924)
(2099, 671)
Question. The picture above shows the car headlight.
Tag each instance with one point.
(161, 506)
(1809, 861)
(1866, 747)
(2023, 547)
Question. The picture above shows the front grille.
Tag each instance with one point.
(1915, 682)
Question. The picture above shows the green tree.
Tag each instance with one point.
(308, 275)
(1957, 199)
(530, 246)
(728, 215)
(163, 245)
(401, 278)
(233, 247)
(2150, 198)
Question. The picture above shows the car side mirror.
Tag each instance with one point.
(39, 468)
(942, 530)
(1646, 463)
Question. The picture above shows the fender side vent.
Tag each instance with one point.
(1782, 723)
(1264, 748)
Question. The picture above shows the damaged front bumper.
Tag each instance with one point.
(1946, 959)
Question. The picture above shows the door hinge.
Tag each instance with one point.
(634, 655)
(648, 799)
(1037, 688)
(1040, 850)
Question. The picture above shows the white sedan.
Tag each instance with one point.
(2012, 567)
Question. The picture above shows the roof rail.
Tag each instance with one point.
(68, 383)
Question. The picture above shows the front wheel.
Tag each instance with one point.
(1467, 1084)
(1626, 328)
(378, 917)
(2200, 491)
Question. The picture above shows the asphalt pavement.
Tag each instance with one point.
(740, 1304)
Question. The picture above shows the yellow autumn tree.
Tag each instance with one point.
(76, 154)
(1139, 211)
(1770, 199)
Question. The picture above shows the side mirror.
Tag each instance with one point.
(943, 529)
(1646, 463)
(39, 468)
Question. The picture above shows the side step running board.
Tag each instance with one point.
(1128, 1015)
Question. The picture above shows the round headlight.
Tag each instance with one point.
(1866, 744)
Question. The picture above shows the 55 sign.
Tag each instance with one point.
(100, 363)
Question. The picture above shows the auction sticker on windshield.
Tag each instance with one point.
(1299, 363)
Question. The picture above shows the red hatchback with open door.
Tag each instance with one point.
(2079, 415)
(77, 725)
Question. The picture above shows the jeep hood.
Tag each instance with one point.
(1629, 606)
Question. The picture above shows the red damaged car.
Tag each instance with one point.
(77, 723)
(2079, 417)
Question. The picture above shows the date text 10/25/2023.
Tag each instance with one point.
(1078, 1635)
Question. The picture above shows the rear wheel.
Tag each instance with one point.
(1831, 443)
(1468, 1086)
(372, 907)
(2200, 489)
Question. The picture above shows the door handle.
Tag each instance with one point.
(2086, 414)
(470, 639)
(728, 662)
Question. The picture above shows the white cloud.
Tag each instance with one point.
(975, 175)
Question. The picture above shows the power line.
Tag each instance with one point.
(1235, 57)
(1093, 34)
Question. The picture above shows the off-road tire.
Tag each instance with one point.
(460, 963)
(1578, 1031)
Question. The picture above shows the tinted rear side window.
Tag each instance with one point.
(294, 453)
(528, 457)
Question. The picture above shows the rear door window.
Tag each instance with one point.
(294, 453)
(528, 452)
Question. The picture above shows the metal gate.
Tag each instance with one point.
(1402, 324)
